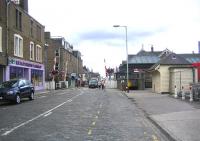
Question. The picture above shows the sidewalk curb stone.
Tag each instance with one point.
(164, 131)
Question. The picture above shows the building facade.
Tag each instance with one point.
(22, 40)
(62, 62)
(172, 71)
(141, 78)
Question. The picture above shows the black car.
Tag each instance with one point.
(14, 90)
(93, 83)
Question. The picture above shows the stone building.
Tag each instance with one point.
(21, 44)
(141, 76)
(62, 63)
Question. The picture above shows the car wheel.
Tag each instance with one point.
(17, 99)
(31, 97)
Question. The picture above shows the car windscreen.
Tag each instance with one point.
(9, 84)
(93, 82)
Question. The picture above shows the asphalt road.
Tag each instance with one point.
(77, 115)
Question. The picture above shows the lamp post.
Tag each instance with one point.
(126, 50)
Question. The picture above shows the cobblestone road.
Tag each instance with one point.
(77, 115)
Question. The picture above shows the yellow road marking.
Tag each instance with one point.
(154, 138)
(89, 132)
(93, 123)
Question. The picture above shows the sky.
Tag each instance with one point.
(88, 26)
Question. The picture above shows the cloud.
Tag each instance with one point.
(111, 37)
(97, 35)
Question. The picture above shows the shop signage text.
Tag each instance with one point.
(23, 63)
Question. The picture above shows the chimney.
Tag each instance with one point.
(24, 5)
(152, 48)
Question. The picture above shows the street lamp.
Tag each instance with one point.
(126, 50)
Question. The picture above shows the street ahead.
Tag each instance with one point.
(76, 115)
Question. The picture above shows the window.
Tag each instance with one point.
(31, 51)
(17, 72)
(38, 53)
(38, 33)
(18, 20)
(37, 77)
(16, 1)
(0, 39)
(57, 66)
(57, 52)
(18, 45)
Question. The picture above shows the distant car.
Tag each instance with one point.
(14, 90)
(93, 83)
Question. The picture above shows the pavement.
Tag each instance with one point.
(178, 119)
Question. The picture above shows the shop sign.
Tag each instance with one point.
(18, 62)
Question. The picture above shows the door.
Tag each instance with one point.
(22, 88)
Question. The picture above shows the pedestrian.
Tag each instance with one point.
(102, 85)
(99, 84)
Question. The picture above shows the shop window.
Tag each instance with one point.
(37, 77)
(18, 45)
(17, 72)
(0, 39)
(31, 51)
(38, 53)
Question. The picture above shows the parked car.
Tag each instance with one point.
(93, 83)
(14, 90)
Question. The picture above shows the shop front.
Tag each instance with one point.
(32, 71)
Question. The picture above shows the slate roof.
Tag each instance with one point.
(173, 59)
(192, 58)
(143, 59)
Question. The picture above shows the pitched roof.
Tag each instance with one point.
(192, 58)
(173, 59)
(134, 59)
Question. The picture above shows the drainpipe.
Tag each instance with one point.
(193, 72)
(7, 28)
(7, 75)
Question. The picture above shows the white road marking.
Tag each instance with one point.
(70, 100)
(47, 114)
(43, 114)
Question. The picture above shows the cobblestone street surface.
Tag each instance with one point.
(178, 119)
(77, 115)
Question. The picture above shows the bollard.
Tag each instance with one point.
(127, 89)
(175, 91)
(183, 93)
(191, 94)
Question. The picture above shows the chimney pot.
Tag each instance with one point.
(152, 48)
